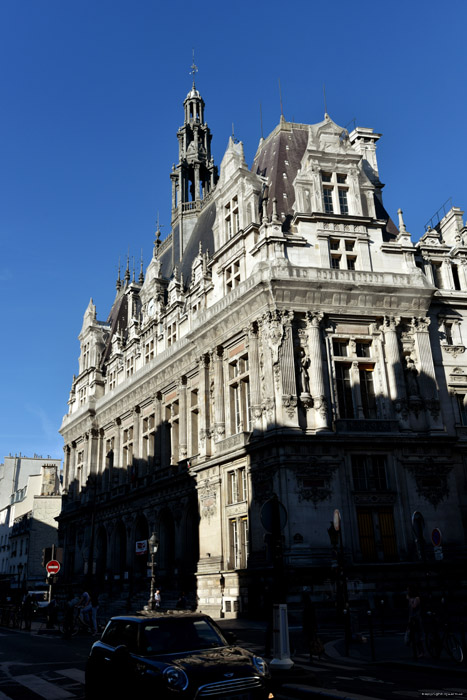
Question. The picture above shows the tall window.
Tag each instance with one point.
(171, 333)
(354, 377)
(149, 351)
(369, 473)
(194, 421)
(130, 365)
(236, 484)
(83, 395)
(231, 218)
(232, 276)
(112, 379)
(149, 439)
(342, 254)
(437, 274)
(335, 193)
(238, 542)
(461, 400)
(127, 447)
(239, 388)
(85, 356)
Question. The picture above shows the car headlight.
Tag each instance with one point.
(260, 664)
(175, 678)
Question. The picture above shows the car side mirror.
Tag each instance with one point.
(230, 637)
(121, 654)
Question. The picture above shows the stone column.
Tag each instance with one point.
(427, 377)
(136, 466)
(196, 184)
(182, 432)
(204, 407)
(157, 430)
(255, 387)
(316, 371)
(356, 393)
(271, 338)
(394, 369)
(66, 467)
(287, 370)
(219, 408)
(117, 455)
(93, 452)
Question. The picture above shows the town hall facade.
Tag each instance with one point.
(287, 341)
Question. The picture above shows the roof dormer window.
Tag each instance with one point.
(335, 193)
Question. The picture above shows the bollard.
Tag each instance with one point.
(372, 637)
(347, 630)
(382, 615)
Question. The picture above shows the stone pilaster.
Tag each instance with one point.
(137, 447)
(427, 377)
(204, 407)
(254, 371)
(316, 371)
(182, 420)
(394, 369)
(158, 430)
(219, 408)
(66, 467)
(287, 374)
(93, 452)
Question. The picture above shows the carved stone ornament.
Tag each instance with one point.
(208, 500)
(314, 481)
(400, 406)
(321, 405)
(220, 430)
(306, 400)
(263, 484)
(431, 479)
(432, 405)
(268, 408)
(274, 333)
(289, 402)
(453, 350)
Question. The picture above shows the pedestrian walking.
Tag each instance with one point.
(416, 632)
(157, 599)
(27, 610)
(310, 627)
(182, 602)
(94, 608)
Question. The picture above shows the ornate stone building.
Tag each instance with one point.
(287, 338)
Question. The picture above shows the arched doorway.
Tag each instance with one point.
(166, 553)
(119, 552)
(140, 561)
(101, 554)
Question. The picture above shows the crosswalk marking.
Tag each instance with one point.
(41, 687)
(74, 673)
(4, 697)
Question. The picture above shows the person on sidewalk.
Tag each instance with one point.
(157, 599)
(310, 628)
(94, 608)
(415, 624)
(27, 610)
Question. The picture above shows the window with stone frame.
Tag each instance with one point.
(232, 276)
(437, 274)
(236, 485)
(455, 277)
(369, 472)
(127, 446)
(461, 401)
(335, 193)
(231, 218)
(239, 395)
(79, 469)
(173, 420)
(112, 379)
(194, 422)
(171, 333)
(148, 351)
(148, 434)
(342, 254)
(86, 356)
(354, 379)
(83, 395)
(238, 542)
(130, 366)
(377, 533)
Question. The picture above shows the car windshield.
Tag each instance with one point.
(176, 635)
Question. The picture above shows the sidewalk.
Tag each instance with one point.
(301, 681)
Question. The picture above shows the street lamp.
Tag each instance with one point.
(20, 571)
(153, 547)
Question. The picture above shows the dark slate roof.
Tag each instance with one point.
(117, 320)
(287, 142)
(202, 233)
(390, 231)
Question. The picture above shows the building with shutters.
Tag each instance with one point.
(287, 339)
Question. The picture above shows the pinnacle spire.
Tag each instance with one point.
(141, 273)
(127, 271)
(119, 281)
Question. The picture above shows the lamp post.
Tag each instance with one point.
(20, 571)
(153, 547)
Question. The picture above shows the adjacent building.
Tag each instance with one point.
(30, 500)
(286, 340)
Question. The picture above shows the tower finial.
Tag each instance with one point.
(134, 271)
(127, 271)
(402, 228)
(325, 105)
(141, 273)
(194, 68)
(157, 242)
(119, 282)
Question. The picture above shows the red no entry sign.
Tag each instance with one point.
(53, 567)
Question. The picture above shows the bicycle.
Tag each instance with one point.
(72, 627)
(439, 636)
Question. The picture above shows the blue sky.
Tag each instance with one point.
(91, 99)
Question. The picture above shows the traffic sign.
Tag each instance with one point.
(273, 515)
(436, 537)
(337, 520)
(53, 567)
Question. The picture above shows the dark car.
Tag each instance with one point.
(172, 656)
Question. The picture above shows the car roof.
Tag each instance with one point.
(161, 616)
